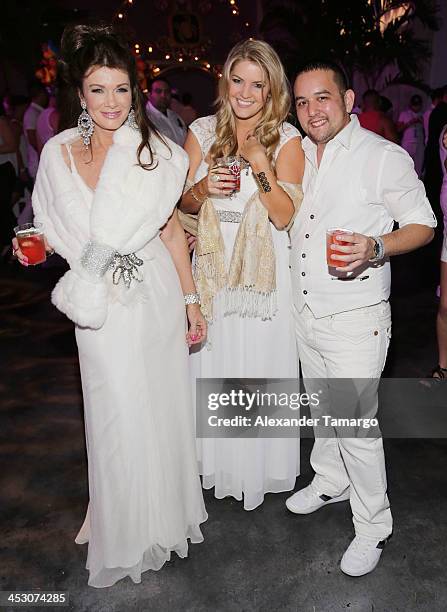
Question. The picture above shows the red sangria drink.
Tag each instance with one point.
(234, 166)
(31, 242)
(334, 236)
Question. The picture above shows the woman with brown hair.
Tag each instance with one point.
(106, 195)
(241, 257)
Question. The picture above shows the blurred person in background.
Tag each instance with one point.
(8, 167)
(158, 109)
(411, 126)
(441, 320)
(47, 123)
(39, 101)
(374, 119)
(433, 171)
(436, 96)
(189, 113)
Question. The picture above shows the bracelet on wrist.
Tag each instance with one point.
(191, 298)
(262, 182)
(379, 249)
(194, 195)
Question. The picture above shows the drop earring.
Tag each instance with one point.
(131, 120)
(85, 125)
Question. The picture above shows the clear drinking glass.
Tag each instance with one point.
(233, 164)
(31, 242)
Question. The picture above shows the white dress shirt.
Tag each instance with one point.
(171, 125)
(30, 123)
(364, 183)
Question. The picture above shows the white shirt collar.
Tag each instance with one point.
(344, 136)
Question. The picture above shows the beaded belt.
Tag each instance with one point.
(229, 216)
(97, 258)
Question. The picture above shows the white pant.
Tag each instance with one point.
(352, 345)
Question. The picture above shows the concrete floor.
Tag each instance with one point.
(267, 559)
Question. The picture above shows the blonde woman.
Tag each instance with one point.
(241, 258)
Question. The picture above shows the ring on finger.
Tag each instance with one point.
(215, 178)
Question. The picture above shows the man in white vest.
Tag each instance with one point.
(359, 181)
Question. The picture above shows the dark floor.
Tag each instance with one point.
(267, 559)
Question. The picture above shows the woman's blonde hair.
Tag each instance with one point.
(277, 103)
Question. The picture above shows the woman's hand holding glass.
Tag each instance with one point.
(21, 257)
(220, 181)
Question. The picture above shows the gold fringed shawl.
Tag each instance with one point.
(251, 280)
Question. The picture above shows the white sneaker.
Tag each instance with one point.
(361, 556)
(308, 500)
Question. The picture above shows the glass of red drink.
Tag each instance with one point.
(335, 236)
(31, 242)
(233, 164)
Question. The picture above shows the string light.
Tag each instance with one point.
(173, 55)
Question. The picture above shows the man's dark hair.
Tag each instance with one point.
(155, 79)
(35, 88)
(339, 74)
(371, 97)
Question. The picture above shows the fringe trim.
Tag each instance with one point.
(246, 302)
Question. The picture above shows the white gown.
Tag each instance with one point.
(145, 493)
(247, 348)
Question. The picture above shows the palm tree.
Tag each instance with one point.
(365, 36)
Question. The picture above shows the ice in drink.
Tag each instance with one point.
(31, 242)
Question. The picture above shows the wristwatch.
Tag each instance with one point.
(379, 249)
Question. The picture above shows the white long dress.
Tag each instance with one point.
(247, 348)
(145, 494)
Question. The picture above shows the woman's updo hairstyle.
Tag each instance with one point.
(84, 47)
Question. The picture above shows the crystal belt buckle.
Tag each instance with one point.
(126, 268)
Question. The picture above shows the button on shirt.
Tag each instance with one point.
(364, 183)
(170, 125)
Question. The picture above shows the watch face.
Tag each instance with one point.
(376, 248)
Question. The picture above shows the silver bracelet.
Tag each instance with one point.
(379, 249)
(191, 298)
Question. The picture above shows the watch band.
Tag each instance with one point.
(379, 249)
